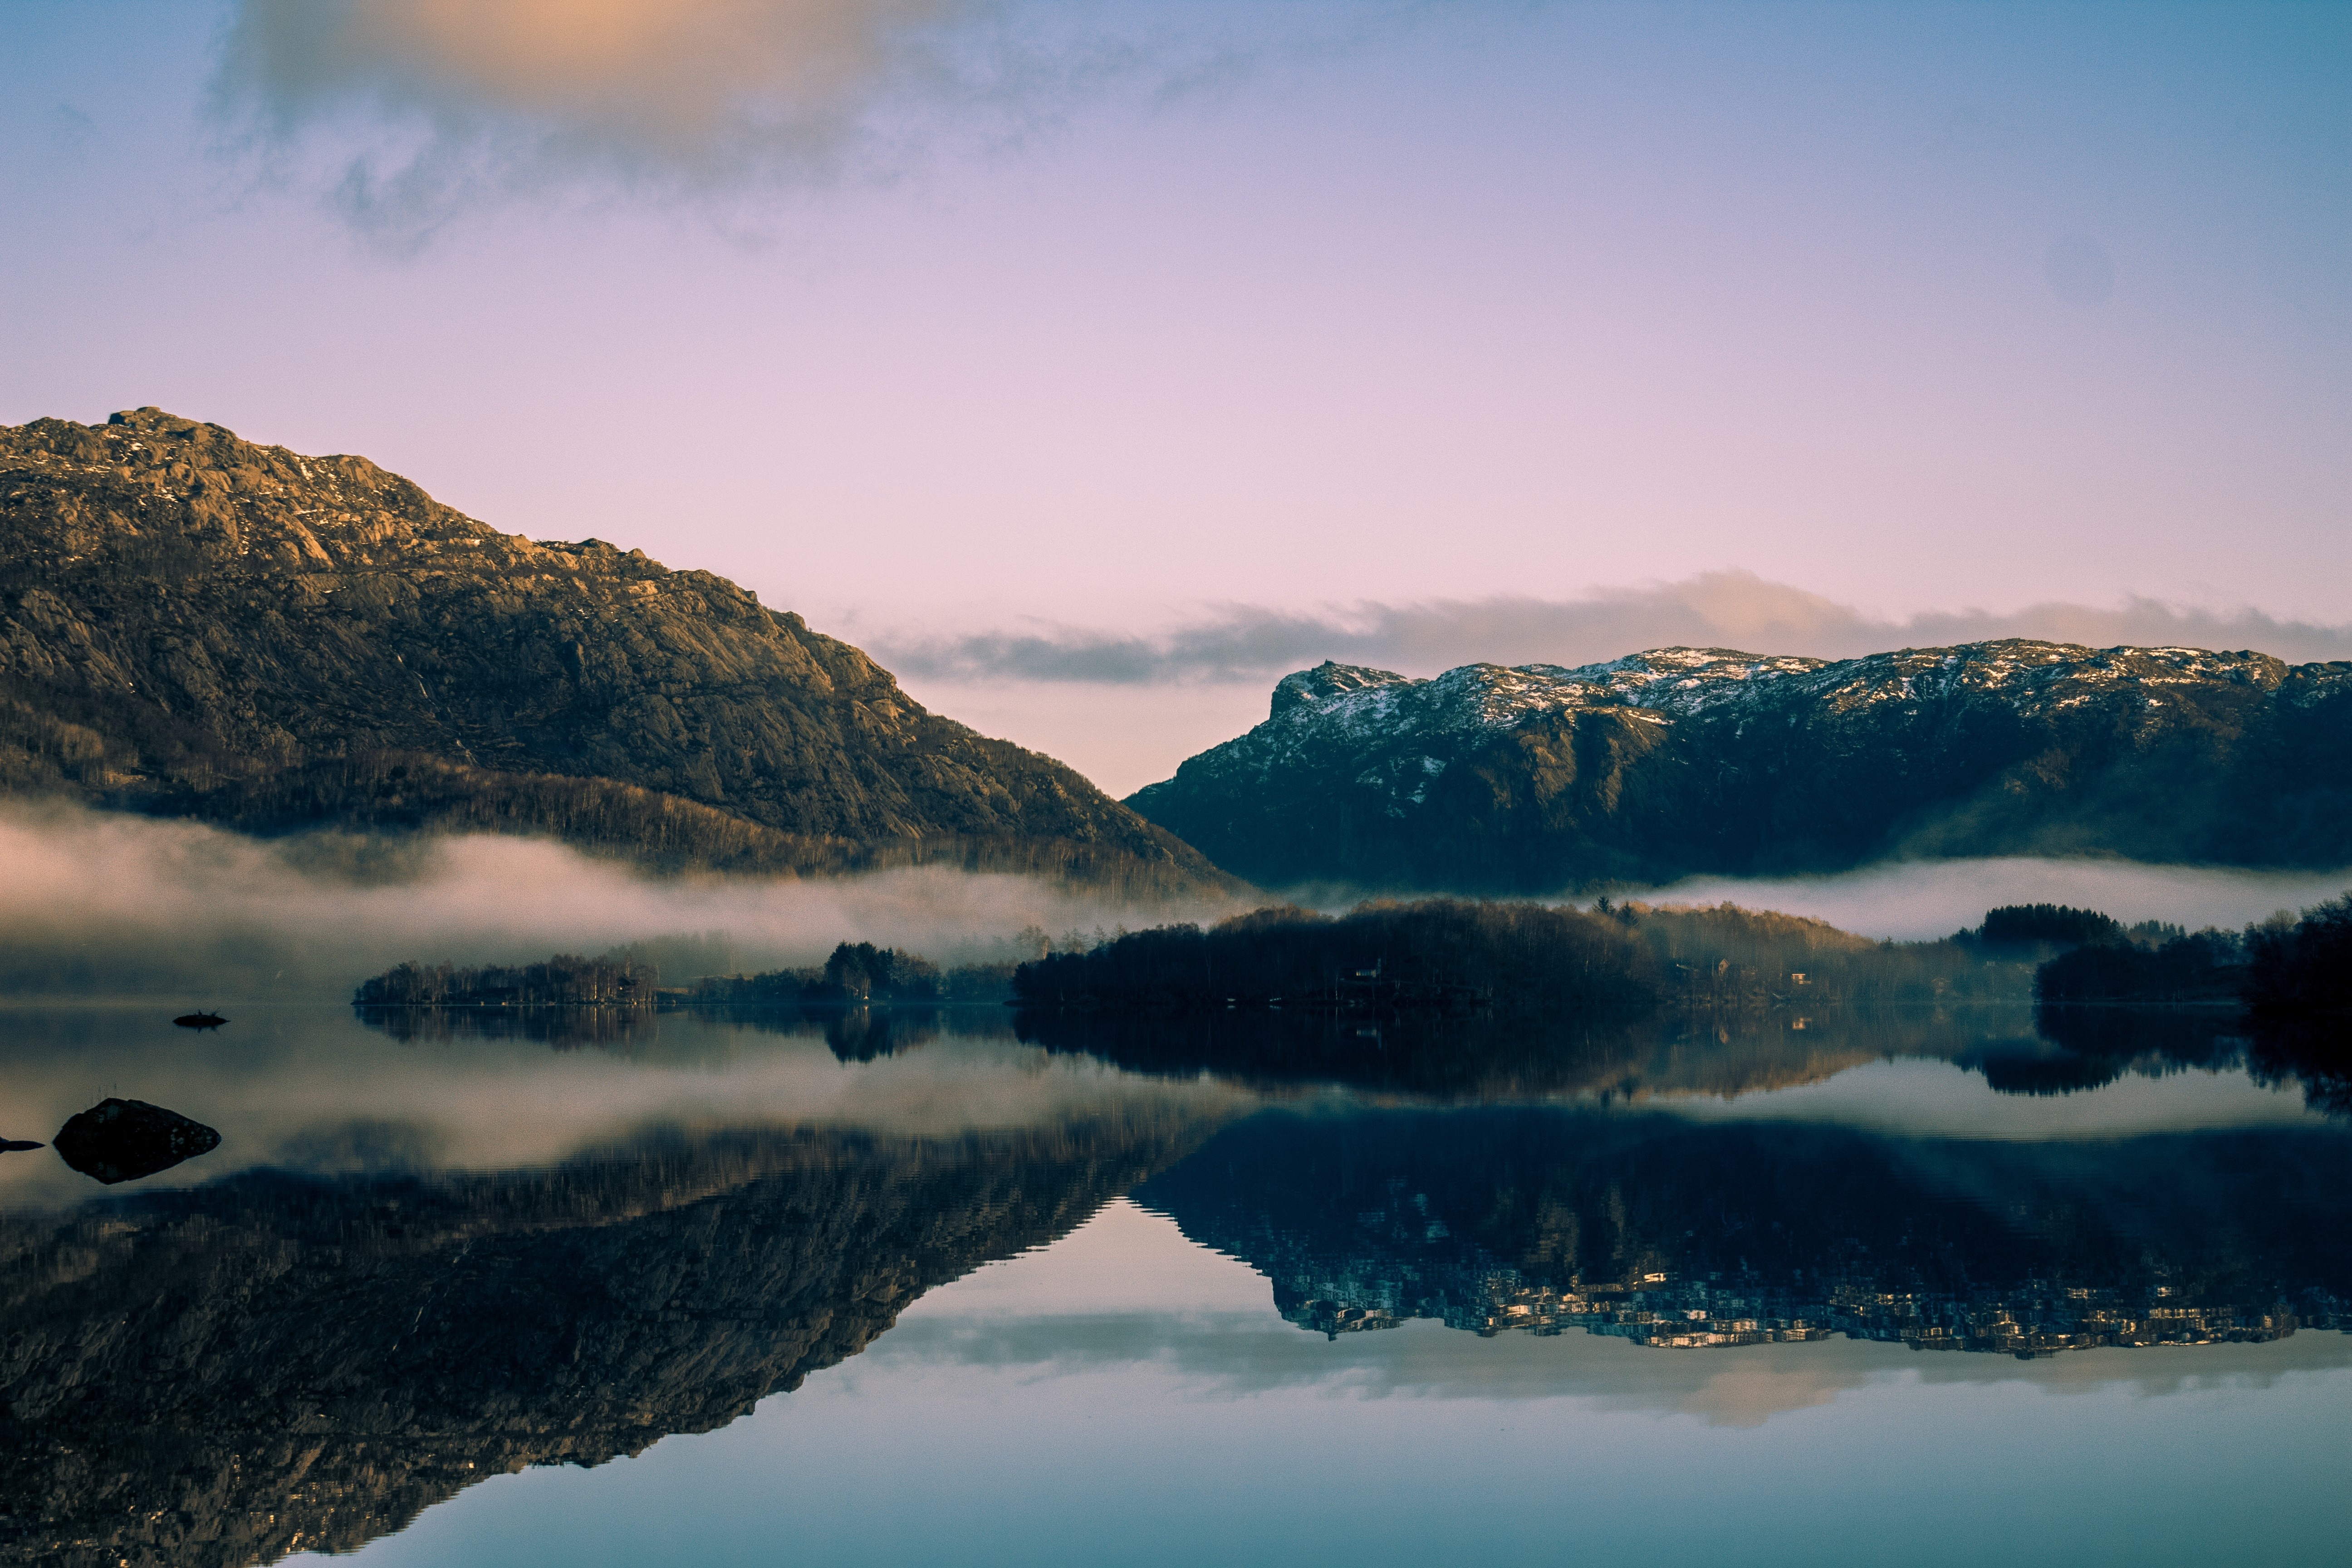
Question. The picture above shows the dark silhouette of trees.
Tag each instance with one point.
(1440, 954)
(564, 980)
(2020, 924)
(2291, 981)
(855, 974)
(2277, 969)
(2299, 994)
(859, 973)
(2206, 967)
(2304, 969)
(1450, 955)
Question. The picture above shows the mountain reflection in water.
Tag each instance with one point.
(278, 1359)
(1673, 1234)
(225, 1374)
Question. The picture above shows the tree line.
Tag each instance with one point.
(856, 974)
(565, 980)
(1447, 955)
(2305, 970)
(1439, 954)
(1723, 956)
(860, 972)
(1450, 954)
(2279, 968)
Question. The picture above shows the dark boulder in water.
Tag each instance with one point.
(123, 1139)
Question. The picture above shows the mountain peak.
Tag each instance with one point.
(193, 624)
(1307, 688)
(154, 419)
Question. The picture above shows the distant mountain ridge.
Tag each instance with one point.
(1682, 761)
(193, 624)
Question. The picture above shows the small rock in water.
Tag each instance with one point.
(123, 1139)
(10, 1145)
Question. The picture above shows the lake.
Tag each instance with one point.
(960, 1287)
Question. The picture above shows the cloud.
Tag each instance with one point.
(669, 74)
(1715, 609)
(411, 112)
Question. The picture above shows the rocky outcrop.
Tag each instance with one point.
(273, 1363)
(119, 1140)
(1686, 760)
(193, 624)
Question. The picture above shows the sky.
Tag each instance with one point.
(1096, 363)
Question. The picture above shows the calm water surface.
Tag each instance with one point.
(958, 1287)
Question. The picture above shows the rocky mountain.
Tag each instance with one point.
(195, 625)
(1683, 761)
(277, 1362)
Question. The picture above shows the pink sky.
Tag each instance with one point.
(1921, 309)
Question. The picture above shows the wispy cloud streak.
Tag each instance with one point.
(1720, 609)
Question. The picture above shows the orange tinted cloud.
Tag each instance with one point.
(679, 72)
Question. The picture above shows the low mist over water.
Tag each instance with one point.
(106, 902)
(100, 902)
(1917, 900)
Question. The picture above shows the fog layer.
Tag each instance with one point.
(97, 904)
(1911, 900)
